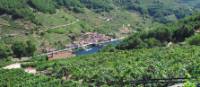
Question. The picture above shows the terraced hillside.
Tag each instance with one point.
(44, 20)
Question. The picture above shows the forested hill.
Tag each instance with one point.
(159, 9)
(185, 31)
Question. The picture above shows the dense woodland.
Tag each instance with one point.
(158, 9)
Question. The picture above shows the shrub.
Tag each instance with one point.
(161, 33)
(4, 51)
(194, 40)
(132, 43)
(109, 48)
(189, 84)
(31, 48)
(21, 49)
(152, 42)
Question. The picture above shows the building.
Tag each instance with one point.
(60, 55)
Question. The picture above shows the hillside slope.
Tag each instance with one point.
(163, 42)
(34, 19)
(20, 78)
(120, 68)
(162, 35)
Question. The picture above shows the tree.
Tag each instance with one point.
(152, 42)
(109, 48)
(98, 5)
(43, 5)
(132, 43)
(31, 48)
(19, 49)
(161, 33)
(4, 51)
(74, 5)
(183, 32)
(16, 8)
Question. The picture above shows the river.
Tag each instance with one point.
(95, 49)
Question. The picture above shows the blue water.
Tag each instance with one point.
(95, 49)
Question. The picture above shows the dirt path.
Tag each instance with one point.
(178, 85)
(77, 20)
(55, 27)
(13, 66)
(30, 70)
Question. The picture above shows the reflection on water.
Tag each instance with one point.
(95, 49)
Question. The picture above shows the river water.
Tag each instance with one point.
(95, 49)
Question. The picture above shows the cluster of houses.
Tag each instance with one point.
(91, 38)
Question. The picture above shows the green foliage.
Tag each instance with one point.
(18, 78)
(98, 5)
(5, 62)
(173, 32)
(132, 43)
(58, 31)
(31, 48)
(18, 9)
(115, 68)
(74, 5)
(4, 51)
(194, 40)
(158, 9)
(189, 84)
(109, 48)
(43, 5)
(161, 33)
(152, 42)
(21, 49)
(39, 58)
(183, 32)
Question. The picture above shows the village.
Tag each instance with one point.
(53, 54)
(86, 39)
(83, 41)
(91, 38)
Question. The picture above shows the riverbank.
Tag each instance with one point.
(82, 50)
(88, 43)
